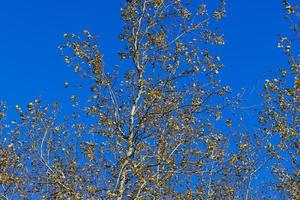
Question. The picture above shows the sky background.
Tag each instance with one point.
(31, 64)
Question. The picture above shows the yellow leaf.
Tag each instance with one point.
(218, 116)
(228, 122)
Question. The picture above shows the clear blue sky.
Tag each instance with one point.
(31, 31)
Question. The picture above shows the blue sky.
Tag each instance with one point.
(31, 31)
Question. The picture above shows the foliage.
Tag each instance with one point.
(280, 117)
(157, 126)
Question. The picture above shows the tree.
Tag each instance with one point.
(159, 137)
(280, 117)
